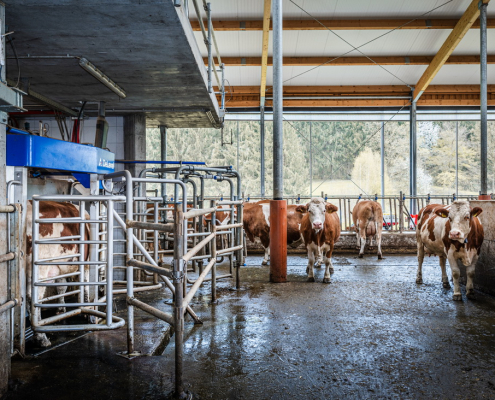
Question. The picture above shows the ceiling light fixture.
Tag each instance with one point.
(89, 67)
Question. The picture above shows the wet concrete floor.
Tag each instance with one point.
(370, 334)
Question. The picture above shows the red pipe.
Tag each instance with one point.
(484, 197)
(278, 241)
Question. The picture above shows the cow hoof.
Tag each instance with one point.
(61, 310)
(91, 319)
(264, 262)
(446, 285)
(311, 279)
(419, 281)
(42, 340)
(380, 257)
(457, 297)
(361, 255)
(327, 280)
(471, 295)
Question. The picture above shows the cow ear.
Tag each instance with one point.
(442, 212)
(302, 209)
(331, 208)
(476, 211)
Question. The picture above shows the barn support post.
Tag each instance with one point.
(382, 167)
(310, 158)
(262, 151)
(456, 159)
(483, 103)
(278, 207)
(237, 140)
(412, 158)
(163, 157)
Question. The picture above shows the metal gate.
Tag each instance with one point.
(77, 264)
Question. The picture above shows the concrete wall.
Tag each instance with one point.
(485, 268)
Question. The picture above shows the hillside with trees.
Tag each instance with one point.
(342, 152)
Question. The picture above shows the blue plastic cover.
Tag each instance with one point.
(42, 152)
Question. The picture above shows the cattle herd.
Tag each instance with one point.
(452, 233)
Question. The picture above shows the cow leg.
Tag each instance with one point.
(421, 257)
(40, 338)
(90, 318)
(312, 250)
(328, 265)
(445, 278)
(266, 259)
(379, 241)
(362, 244)
(61, 300)
(456, 273)
(319, 259)
(470, 277)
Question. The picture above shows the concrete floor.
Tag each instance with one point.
(371, 334)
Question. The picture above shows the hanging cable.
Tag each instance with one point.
(11, 41)
(364, 44)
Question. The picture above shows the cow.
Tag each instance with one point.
(453, 233)
(320, 229)
(367, 216)
(256, 221)
(51, 209)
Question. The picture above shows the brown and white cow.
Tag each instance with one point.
(320, 229)
(256, 220)
(367, 216)
(51, 209)
(451, 232)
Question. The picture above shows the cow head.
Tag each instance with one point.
(316, 209)
(459, 215)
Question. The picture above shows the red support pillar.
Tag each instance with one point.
(278, 241)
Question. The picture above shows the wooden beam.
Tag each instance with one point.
(435, 95)
(351, 61)
(361, 90)
(264, 51)
(350, 24)
(461, 28)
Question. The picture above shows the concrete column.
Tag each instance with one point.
(135, 141)
(5, 316)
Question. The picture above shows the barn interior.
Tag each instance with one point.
(194, 309)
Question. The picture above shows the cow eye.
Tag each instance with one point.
(466, 217)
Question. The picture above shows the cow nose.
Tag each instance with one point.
(317, 225)
(455, 234)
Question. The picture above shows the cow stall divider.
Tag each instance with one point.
(105, 320)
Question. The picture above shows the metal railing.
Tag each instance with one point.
(76, 267)
(210, 41)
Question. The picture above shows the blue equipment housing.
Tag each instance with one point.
(24, 150)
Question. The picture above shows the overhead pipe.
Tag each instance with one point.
(483, 103)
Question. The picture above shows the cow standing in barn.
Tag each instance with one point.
(51, 209)
(367, 216)
(256, 220)
(320, 229)
(451, 232)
